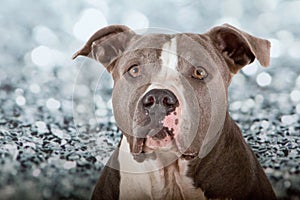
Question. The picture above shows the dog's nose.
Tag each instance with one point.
(160, 99)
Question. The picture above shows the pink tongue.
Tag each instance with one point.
(154, 143)
(172, 123)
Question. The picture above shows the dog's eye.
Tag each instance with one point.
(199, 73)
(134, 70)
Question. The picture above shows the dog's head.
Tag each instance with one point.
(170, 90)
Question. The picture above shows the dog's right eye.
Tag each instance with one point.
(199, 73)
(134, 70)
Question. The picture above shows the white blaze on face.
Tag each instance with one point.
(169, 54)
(168, 76)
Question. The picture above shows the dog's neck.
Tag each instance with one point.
(230, 158)
(165, 180)
(171, 182)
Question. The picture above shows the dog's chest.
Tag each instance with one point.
(149, 181)
(171, 182)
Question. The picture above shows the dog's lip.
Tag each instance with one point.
(137, 149)
(141, 151)
(137, 145)
(189, 156)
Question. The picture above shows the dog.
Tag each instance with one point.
(170, 102)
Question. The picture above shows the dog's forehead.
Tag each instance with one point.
(168, 47)
(151, 41)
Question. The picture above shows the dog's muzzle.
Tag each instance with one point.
(159, 108)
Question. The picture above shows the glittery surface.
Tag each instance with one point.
(56, 124)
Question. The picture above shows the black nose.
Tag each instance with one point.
(160, 99)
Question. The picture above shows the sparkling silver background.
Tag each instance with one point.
(52, 147)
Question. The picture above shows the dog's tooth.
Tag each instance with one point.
(137, 145)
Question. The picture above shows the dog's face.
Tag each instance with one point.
(170, 91)
(162, 92)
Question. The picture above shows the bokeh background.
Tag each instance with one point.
(56, 123)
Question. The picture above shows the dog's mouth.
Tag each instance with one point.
(160, 138)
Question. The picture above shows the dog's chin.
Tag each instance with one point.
(147, 147)
(162, 149)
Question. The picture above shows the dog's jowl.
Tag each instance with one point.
(170, 101)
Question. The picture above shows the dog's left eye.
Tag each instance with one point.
(199, 73)
(134, 70)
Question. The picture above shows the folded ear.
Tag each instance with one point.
(107, 44)
(240, 48)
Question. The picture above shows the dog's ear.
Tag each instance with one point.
(240, 48)
(107, 44)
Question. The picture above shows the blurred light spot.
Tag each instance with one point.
(293, 12)
(263, 79)
(29, 144)
(58, 133)
(19, 91)
(239, 80)
(298, 82)
(41, 56)
(81, 108)
(236, 105)
(112, 119)
(295, 95)
(69, 164)
(3, 75)
(137, 21)
(259, 99)
(109, 104)
(40, 124)
(294, 50)
(44, 36)
(288, 119)
(35, 88)
(185, 13)
(45, 57)
(101, 112)
(99, 102)
(41, 127)
(266, 5)
(92, 122)
(52, 104)
(12, 149)
(36, 172)
(285, 36)
(250, 69)
(269, 170)
(267, 21)
(287, 184)
(81, 90)
(67, 106)
(275, 48)
(247, 105)
(265, 124)
(101, 5)
(298, 108)
(63, 142)
(232, 8)
(20, 100)
(90, 21)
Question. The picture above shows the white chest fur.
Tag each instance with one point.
(149, 181)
